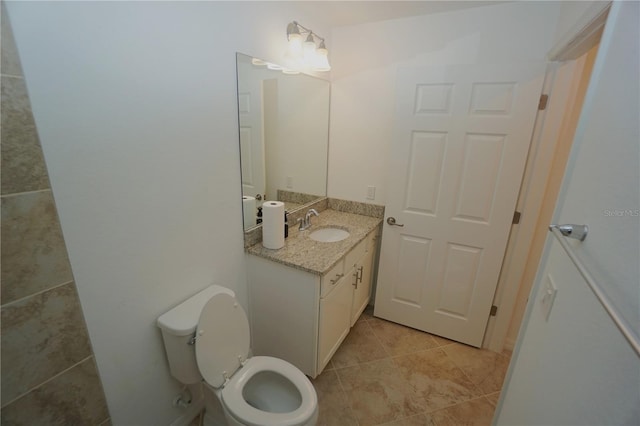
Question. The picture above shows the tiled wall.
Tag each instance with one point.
(48, 374)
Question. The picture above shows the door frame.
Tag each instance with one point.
(562, 84)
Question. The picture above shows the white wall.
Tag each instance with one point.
(577, 368)
(135, 104)
(366, 57)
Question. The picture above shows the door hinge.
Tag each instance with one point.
(542, 104)
(516, 217)
(493, 311)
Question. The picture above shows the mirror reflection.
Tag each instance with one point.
(284, 133)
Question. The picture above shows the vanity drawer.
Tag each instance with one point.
(331, 278)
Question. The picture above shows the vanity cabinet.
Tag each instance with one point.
(303, 317)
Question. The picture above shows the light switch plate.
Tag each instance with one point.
(289, 183)
(548, 296)
(371, 192)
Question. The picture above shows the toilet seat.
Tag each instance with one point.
(234, 399)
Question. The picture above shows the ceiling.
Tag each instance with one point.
(342, 13)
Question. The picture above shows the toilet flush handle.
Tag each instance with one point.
(192, 341)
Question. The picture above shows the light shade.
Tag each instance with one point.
(309, 49)
(322, 59)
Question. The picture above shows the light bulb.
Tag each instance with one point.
(274, 67)
(290, 71)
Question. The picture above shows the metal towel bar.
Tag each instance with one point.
(619, 321)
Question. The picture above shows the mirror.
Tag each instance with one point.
(284, 136)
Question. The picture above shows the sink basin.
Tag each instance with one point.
(329, 235)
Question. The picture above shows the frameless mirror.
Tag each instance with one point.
(284, 136)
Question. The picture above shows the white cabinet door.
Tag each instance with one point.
(335, 311)
(361, 282)
(462, 137)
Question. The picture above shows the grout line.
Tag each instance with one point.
(347, 396)
(12, 76)
(7, 305)
(480, 391)
(375, 336)
(47, 381)
(14, 194)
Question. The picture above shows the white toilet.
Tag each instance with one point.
(207, 338)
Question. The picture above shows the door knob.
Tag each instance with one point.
(392, 221)
(579, 232)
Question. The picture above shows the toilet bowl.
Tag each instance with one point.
(207, 339)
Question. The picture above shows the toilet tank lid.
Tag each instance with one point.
(183, 319)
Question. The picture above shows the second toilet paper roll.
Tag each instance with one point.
(273, 224)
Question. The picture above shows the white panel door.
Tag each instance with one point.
(462, 136)
(251, 129)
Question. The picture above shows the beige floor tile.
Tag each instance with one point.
(436, 379)
(332, 401)
(377, 393)
(368, 313)
(329, 366)
(359, 346)
(477, 412)
(441, 341)
(485, 368)
(417, 420)
(398, 339)
(429, 381)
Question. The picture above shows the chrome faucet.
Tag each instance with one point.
(306, 222)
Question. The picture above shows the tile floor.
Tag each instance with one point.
(388, 374)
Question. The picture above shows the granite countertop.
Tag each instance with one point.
(303, 253)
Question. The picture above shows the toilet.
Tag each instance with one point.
(207, 339)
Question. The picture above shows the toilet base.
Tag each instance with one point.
(213, 411)
(210, 420)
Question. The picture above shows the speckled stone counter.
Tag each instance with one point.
(301, 252)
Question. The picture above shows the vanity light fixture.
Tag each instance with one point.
(305, 56)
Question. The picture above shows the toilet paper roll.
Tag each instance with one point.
(249, 211)
(273, 224)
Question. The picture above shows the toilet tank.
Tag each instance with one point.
(178, 328)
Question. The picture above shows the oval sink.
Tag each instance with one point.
(329, 235)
